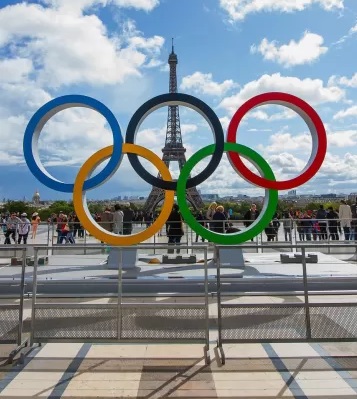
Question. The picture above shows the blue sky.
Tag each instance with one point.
(229, 50)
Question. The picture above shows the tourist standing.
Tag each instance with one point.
(353, 234)
(251, 215)
(287, 226)
(106, 219)
(201, 220)
(219, 220)
(118, 217)
(76, 225)
(270, 231)
(345, 216)
(210, 212)
(35, 221)
(332, 218)
(174, 228)
(321, 219)
(128, 217)
(11, 227)
(23, 229)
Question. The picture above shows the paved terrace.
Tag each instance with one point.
(165, 371)
(276, 370)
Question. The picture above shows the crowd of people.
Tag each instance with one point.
(17, 227)
(317, 225)
(310, 225)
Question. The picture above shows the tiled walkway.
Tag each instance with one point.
(163, 371)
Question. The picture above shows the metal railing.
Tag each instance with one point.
(51, 237)
(122, 320)
(12, 314)
(287, 321)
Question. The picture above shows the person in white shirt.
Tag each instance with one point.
(345, 216)
(23, 228)
(118, 217)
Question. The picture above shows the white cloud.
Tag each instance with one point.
(351, 111)
(202, 83)
(341, 138)
(282, 141)
(311, 90)
(187, 128)
(261, 115)
(14, 70)
(57, 45)
(68, 48)
(339, 168)
(146, 5)
(286, 163)
(239, 9)
(308, 49)
(350, 33)
(225, 122)
(78, 6)
(343, 80)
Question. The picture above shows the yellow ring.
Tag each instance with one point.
(80, 203)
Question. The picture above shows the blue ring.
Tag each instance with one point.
(36, 124)
(173, 99)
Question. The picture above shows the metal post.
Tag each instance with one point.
(85, 242)
(192, 251)
(206, 304)
(219, 313)
(48, 239)
(187, 238)
(22, 293)
(120, 292)
(34, 293)
(154, 244)
(306, 294)
(219, 304)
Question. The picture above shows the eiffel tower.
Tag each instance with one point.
(174, 151)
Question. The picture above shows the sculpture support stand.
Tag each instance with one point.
(229, 257)
(128, 258)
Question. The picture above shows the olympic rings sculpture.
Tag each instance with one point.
(84, 181)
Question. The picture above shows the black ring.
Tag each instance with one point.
(171, 99)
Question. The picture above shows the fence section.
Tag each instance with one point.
(11, 314)
(118, 319)
(284, 321)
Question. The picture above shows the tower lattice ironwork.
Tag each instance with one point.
(174, 151)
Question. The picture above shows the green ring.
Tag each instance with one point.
(270, 202)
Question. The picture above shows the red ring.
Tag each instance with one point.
(312, 119)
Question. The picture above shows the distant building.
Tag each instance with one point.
(36, 198)
(210, 197)
(352, 197)
(292, 194)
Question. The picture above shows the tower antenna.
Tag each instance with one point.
(173, 151)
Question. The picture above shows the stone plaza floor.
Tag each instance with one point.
(77, 370)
